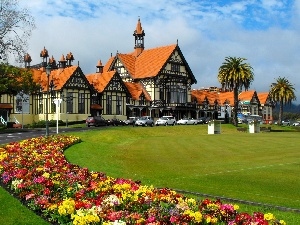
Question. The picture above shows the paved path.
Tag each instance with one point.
(22, 134)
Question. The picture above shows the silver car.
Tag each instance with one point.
(145, 121)
(165, 121)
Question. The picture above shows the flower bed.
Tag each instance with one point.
(36, 171)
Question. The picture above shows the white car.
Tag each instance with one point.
(296, 123)
(165, 121)
(187, 121)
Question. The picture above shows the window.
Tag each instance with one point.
(175, 67)
(119, 105)
(40, 103)
(69, 102)
(161, 93)
(177, 94)
(81, 103)
(109, 104)
(142, 100)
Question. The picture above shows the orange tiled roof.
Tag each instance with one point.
(226, 97)
(59, 76)
(203, 95)
(246, 95)
(100, 80)
(107, 66)
(151, 61)
(147, 64)
(221, 97)
(129, 61)
(136, 90)
(263, 97)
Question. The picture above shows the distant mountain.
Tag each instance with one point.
(293, 108)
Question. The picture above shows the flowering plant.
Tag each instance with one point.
(36, 171)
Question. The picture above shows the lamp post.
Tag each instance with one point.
(57, 102)
(48, 71)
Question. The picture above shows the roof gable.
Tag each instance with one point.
(129, 62)
(147, 64)
(263, 97)
(72, 78)
(110, 80)
(136, 90)
(100, 80)
(150, 62)
(59, 77)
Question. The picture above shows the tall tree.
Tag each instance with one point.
(16, 25)
(234, 75)
(282, 92)
(14, 80)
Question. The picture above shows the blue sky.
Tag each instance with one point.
(265, 32)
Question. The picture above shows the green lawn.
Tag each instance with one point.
(261, 167)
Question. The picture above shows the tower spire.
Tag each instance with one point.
(139, 38)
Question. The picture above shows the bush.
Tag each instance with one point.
(52, 123)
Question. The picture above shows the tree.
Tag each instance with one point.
(14, 80)
(15, 29)
(282, 92)
(234, 74)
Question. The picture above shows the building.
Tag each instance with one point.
(218, 104)
(154, 82)
(160, 76)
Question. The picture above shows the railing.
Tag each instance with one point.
(3, 120)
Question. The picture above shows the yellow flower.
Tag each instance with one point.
(52, 207)
(67, 207)
(46, 175)
(269, 216)
(236, 207)
(198, 216)
(282, 222)
(85, 217)
(3, 155)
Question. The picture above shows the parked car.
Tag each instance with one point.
(187, 121)
(165, 121)
(285, 123)
(297, 123)
(145, 121)
(201, 120)
(117, 122)
(95, 121)
(131, 120)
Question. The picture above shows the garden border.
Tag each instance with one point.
(280, 208)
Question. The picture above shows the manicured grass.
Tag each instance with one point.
(260, 167)
(13, 213)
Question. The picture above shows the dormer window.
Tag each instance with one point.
(175, 67)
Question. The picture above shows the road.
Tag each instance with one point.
(18, 135)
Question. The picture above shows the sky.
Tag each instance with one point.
(264, 32)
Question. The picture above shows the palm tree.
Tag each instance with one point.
(282, 92)
(234, 74)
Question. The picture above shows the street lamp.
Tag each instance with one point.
(48, 71)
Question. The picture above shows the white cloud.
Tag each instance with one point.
(265, 32)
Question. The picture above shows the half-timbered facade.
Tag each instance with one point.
(110, 94)
(65, 82)
(163, 72)
(217, 104)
